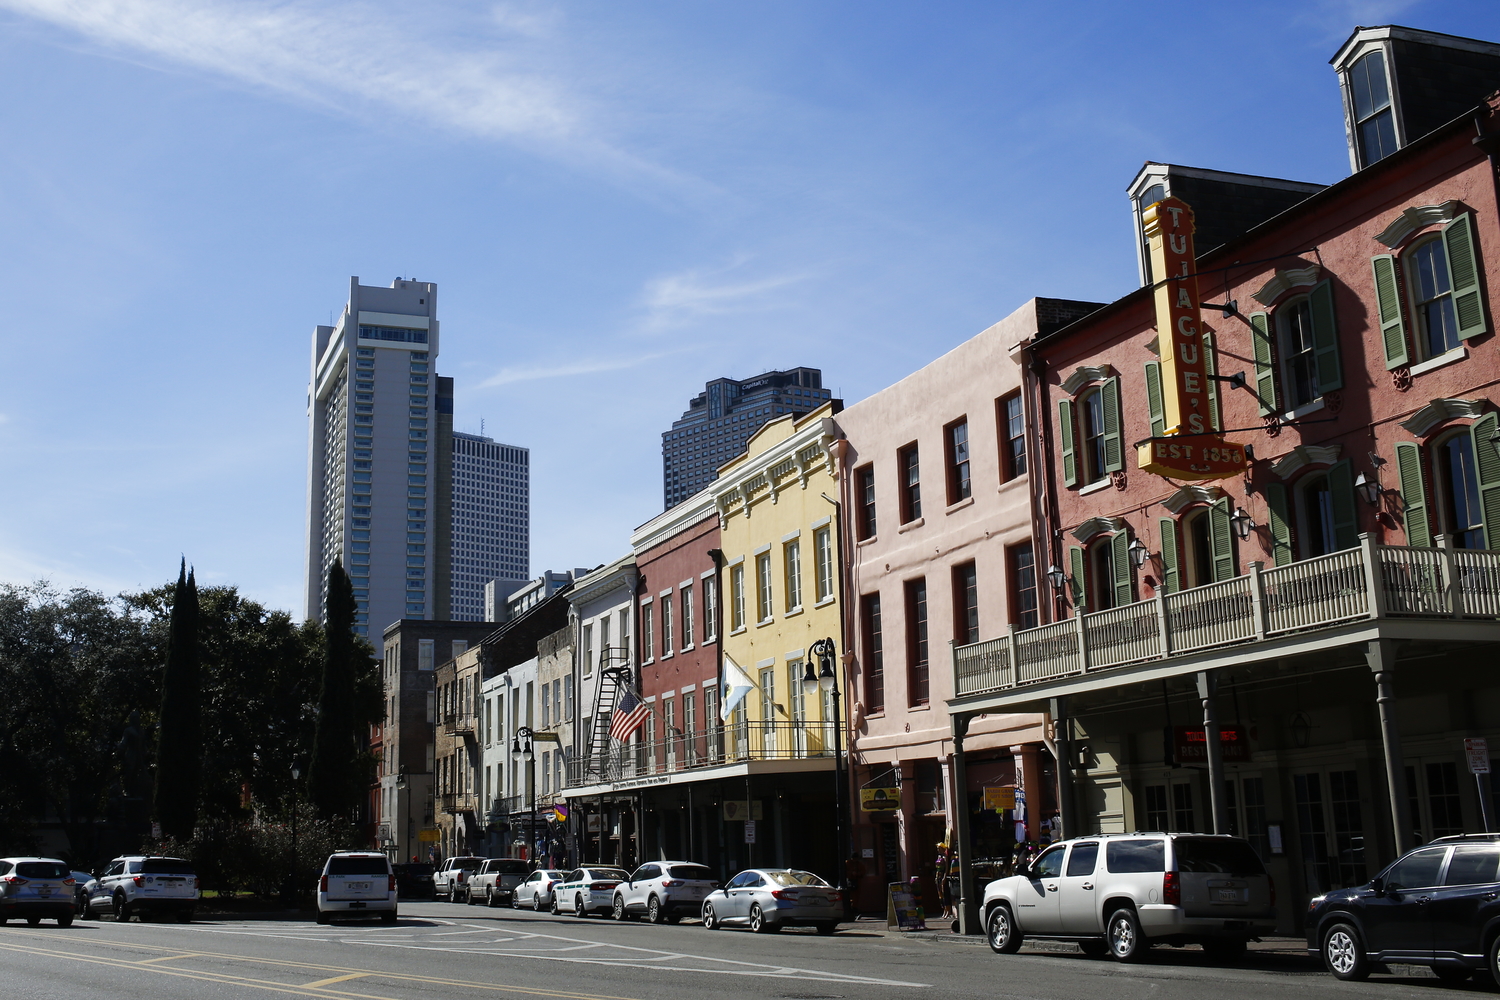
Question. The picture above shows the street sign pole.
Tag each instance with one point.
(1477, 751)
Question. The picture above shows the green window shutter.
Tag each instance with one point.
(1154, 400)
(1409, 469)
(1119, 557)
(1463, 268)
(1211, 367)
(1065, 432)
(1281, 524)
(1221, 541)
(1265, 362)
(1388, 298)
(1171, 576)
(1079, 584)
(1325, 339)
(1487, 465)
(1341, 499)
(1114, 452)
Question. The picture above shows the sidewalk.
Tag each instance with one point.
(1288, 947)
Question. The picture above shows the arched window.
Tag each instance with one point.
(1432, 297)
(1197, 549)
(1315, 520)
(1299, 358)
(1089, 432)
(1102, 575)
(1458, 481)
(1092, 430)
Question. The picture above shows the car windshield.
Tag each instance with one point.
(166, 866)
(551, 875)
(795, 878)
(1217, 855)
(357, 866)
(510, 866)
(692, 873)
(42, 869)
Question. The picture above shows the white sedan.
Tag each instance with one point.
(587, 890)
(536, 891)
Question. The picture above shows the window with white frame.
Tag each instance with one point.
(823, 563)
(737, 596)
(763, 574)
(792, 553)
(687, 616)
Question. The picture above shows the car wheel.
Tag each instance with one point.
(1344, 953)
(536, 902)
(1123, 935)
(1001, 931)
(468, 896)
(826, 928)
(556, 910)
(122, 908)
(710, 918)
(758, 922)
(388, 916)
(653, 911)
(1224, 950)
(1093, 949)
(618, 910)
(1452, 973)
(578, 910)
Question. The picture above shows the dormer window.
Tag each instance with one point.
(1374, 122)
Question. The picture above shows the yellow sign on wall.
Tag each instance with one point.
(1189, 448)
(1000, 797)
(427, 836)
(879, 799)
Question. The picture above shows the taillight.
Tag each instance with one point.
(139, 880)
(197, 883)
(835, 896)
(15, 880)
(783, 894)
(1272, 883)
(70, 881)
(1171, 889)
(323, 884)
(603, 885)
(668, 883)
(393, 883)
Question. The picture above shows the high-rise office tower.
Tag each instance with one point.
(721, 419)
(491, 519)
(379, 457)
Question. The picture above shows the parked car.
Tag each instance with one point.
(143, 886)
(495, 882)
(664, 891)
(768, 899)
(36, 889)
(1436, 905)
(1117, 894)
(536, 890)
(81, 882)
(587, 890)
(452, 875)
(357, 883)
(414, 881)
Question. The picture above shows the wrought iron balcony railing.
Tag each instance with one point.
(1371, 581)
(727, 744)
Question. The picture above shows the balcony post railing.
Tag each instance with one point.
(1450, 576)
(1083, 640)
(1258, 598)
(1164, 632)
(1369, 554)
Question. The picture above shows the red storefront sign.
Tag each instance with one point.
(1189, 746)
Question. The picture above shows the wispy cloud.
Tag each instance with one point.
(675, 299)
(535, 373)
(362, 59)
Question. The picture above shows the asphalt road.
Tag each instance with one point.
(438, 950)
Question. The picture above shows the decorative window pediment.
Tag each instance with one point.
(1285, 281)
(1189, 495)
(1083, 376)
(1413, 219)
(1096, 526)
(1440, 410)
(1304, 455)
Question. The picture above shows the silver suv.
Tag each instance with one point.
(1118, 894)
(142, 886)
(665, 891)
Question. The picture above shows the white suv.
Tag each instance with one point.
(357, 883)
(142, 886)
(1118, 894)
(664, 891)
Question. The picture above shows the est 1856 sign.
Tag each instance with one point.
(1188, 449)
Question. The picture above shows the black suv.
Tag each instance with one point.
(1438, 905)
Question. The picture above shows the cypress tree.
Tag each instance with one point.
(179, 745)
(333, 772)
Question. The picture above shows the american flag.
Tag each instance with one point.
(629, 715)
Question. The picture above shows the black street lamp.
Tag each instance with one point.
(402, 785)
(827, 680)
(296, 803)
(526, 753)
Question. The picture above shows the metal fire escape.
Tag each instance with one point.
(614, 676)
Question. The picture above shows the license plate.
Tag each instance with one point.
(1227, 895)
(44, 892)
(816, 900)
(359, 885)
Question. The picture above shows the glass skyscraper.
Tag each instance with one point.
(491, 519)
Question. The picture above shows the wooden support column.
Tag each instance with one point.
(968, 904)
(1208, 690)
(1381, 655)
(1062, 734)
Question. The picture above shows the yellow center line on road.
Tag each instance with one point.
(167, 958)
(282, 964)
(335, 979)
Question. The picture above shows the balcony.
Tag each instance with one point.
(1371, 582)
(715, 747)
(460, 724)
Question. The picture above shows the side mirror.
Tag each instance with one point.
(1377, 886)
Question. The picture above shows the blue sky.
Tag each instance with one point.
(617, 200)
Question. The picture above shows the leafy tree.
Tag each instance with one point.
(179, 758)
(349, 702)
